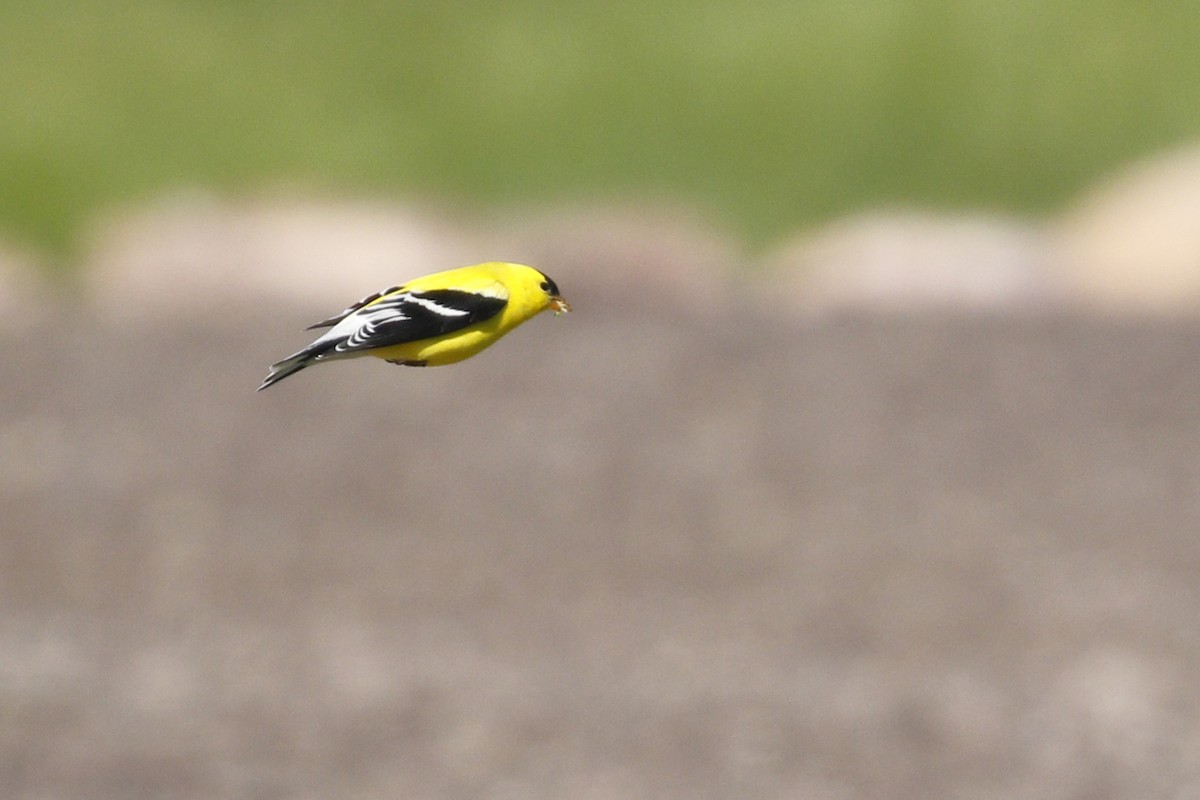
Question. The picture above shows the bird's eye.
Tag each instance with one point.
(548, 285)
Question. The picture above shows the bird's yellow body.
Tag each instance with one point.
(497, 280)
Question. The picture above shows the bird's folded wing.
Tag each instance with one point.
(403, 317)
(341, 315)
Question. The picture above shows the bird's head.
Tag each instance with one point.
(557, 303)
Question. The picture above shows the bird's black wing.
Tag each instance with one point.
(341, 315)
(410, 316)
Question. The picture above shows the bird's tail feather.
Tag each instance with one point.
(281, 369)
(323, 348)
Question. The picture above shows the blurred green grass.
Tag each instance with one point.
(771, 113)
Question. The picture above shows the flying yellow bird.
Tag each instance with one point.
(437, 319)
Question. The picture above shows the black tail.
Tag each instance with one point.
(288, 366)
(319, 350)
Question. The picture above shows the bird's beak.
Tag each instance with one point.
(559, 305)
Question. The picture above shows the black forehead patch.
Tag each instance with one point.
(548, 284)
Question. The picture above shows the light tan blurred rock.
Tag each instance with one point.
(911, 261)
(1133, 242)
(637, 255)
(190, 255)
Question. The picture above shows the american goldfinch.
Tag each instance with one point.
(437, 319)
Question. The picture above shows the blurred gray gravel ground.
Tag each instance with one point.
(729, 556)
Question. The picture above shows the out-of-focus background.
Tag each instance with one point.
(868, 465)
